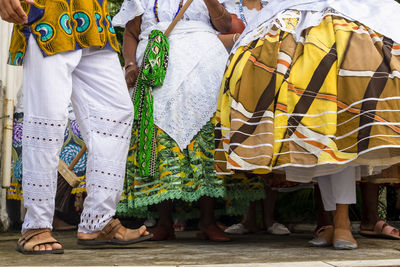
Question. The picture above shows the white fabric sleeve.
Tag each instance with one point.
(130, 9)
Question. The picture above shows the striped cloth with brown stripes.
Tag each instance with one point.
(333, 97)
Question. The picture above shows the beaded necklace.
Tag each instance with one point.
(241, 12)
(155, 10)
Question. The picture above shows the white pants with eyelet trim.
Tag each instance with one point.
(93, 81)
(338, 188)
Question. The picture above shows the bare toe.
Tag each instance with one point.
(56, 246)
(38, 240)
(142, 230)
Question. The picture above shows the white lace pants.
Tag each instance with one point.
(93, 80)
(338, 188)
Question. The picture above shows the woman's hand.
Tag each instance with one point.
(11, 11)
(131, 74)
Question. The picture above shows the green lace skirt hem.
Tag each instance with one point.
(185, 207)
(183, 176)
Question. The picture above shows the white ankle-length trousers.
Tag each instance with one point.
(338, 188)
(93, 81)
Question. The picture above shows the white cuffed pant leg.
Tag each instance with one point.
(338, 188)
(93, 79)
(106, 117)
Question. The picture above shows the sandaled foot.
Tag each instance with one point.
(213, 233)
(162, 232)
(323, 237)
(343, 239)
(381, 230)
(114, 234)
(39, 241)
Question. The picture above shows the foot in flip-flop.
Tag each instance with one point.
(114, 234)
(381, 230)
(39, 241)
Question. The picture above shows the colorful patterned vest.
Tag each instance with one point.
(63, 25)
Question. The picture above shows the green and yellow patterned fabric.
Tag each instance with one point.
(63, 25)
(181, 175)
(152, 74)
(157, 169)
(185, 175)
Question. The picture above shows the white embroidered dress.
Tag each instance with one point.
(197, 58)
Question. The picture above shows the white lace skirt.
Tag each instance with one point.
(188, 98)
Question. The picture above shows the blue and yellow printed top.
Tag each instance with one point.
(63, 25)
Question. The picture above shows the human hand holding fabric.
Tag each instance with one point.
(12, 11)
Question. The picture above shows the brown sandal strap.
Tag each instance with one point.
(27, 244)
(109, 231)
(28, 235)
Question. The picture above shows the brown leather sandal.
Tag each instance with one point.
(25, 244)
(107, 236)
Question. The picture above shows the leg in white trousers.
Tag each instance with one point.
(337, 192)
(94, 81)
(338, 188)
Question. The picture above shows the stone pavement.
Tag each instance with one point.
(260, 250)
